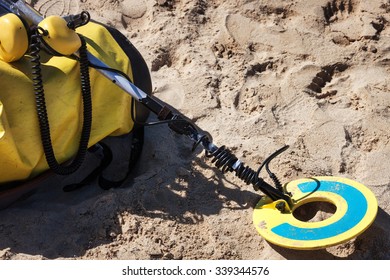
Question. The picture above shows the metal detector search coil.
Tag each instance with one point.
(356, 209)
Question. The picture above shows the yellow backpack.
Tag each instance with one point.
(22, 157)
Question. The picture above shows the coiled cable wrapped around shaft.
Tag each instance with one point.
(224, 160)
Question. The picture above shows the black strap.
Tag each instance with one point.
(104, 163)
(135, 153)
(107, 157)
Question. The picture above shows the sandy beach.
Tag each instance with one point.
(257, 75)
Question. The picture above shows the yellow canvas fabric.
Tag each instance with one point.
(21, 153)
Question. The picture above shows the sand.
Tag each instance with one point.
(257, 75)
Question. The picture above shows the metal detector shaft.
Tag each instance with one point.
(181, 125)
(22, 9)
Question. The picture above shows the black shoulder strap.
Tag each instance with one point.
(135, 153)
(103, 151)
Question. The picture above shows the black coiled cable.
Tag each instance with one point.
(44, 126)
(224, 160)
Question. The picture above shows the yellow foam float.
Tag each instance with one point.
(356, 209)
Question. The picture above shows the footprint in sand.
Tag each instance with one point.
(352, 18)
(56, 7)
(336, 9)
(317, 87)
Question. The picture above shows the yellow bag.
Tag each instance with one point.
(21, 153)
